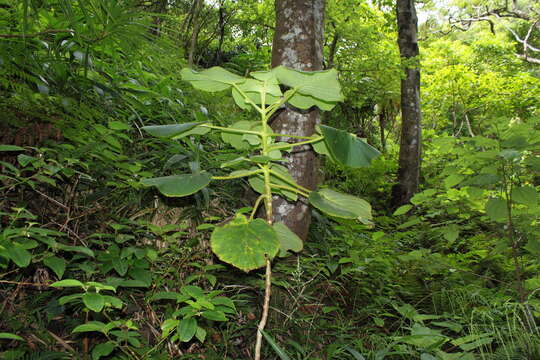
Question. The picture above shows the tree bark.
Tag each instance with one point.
(195, 32)
(411, 116)
(298, 44)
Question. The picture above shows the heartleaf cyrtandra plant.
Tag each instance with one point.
(246, 242)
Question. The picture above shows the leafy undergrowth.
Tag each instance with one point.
(95, 266)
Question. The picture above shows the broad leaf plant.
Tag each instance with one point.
(250, 243)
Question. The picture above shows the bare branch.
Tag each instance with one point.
(529, 59)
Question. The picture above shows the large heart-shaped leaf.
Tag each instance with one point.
(213, 79)
(347, 149)
(245, 244)
(322, 85)
(288, 240)
(179, 185)
(341, 205)
(306, 101)
(170, 131)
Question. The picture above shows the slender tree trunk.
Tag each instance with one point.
(298, 44)
(411, 116)
(195, 33)
(217, 60)
(160, 8)
(382, 126)
(333, 48)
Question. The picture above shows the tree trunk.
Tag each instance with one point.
(411, 116)
(298, 44)
(217, 60)
(195, 32)
(160, 8)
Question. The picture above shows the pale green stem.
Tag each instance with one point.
(268, 206)
(256, 206)
(275, 107)
(288, 181)
(290, 188)
(254, 172)
(249, 101)
(288, 146)
(237, 131)
(292, 136)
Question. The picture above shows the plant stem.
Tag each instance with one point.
(292, 136)
(256, 206)
(231, 130)
(290, 188)
(254, 172)
(287, 146)
(266, 307)
(288, 181)
(269, 218)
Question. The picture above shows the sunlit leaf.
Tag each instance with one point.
(341, 205)
(347, 149)
(179, 185)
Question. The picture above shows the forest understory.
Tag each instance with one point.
(153, 204)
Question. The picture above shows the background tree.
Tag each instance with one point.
(411, 116)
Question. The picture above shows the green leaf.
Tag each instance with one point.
(89, 327)
(58, 265)
(497, 209)
(79, 249)
(170, 131)
(221, 300)
(10, 336)
(179, 185)
(186, 329)
(213, 79)
(347, 149)
(94, 301)
(453, 180)
(341, 205)
(279, 351)
(24, 160)
(193, 291)
(164, 295)
(288, 240)
(402, 210)
(68, 298)
(236, 139)
(214, 315)
(245, 244)
(354, 353)
(168, 326)
(118, 125)
(305, 102)
(450, 232)
(10, 148)
(20, 256)
(533, 246)
(68, 283)
(526, 195)
(200, 334)
(322, 85)
(104, 349)
(113, 301)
